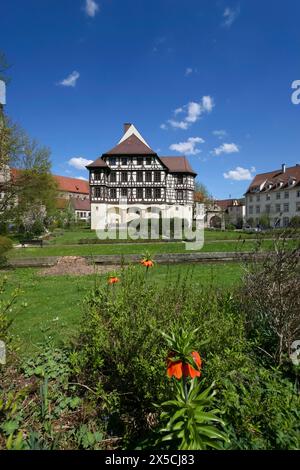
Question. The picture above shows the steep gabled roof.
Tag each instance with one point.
(129, 130)
(178, 165)
(98, 163)
(131, 146)
(276, 176)
(72, 185)
(132, 143)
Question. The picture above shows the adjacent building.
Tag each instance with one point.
(234, 211)
(132, 175)
(70, 188)
(72, 193)
(275, 194)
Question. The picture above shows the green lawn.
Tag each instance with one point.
(54, 303)
(119, 249)
(73, 236)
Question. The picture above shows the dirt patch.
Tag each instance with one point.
(75, 266)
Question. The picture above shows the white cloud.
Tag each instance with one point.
(79, 163)
(189, 147)
(239, 174)
(226, 148)
(188, 71)
(207, 103)
(70, 80)
(220, 133)
(178, 111)
(81, 178)
(178, 124)
(230, 15)
(191, 112)
(163, 126)
(91, 8)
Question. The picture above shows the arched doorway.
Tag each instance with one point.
(215, 222)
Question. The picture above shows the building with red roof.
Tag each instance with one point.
(72, 193)
(276, 195)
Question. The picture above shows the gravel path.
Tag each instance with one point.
(75, 266)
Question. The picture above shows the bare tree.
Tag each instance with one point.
(270, 293)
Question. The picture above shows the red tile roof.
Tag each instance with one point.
(177, 165)
(81, 204)
(72, 185)
(131, 146)
(274, 177)
(64, 183)
(225, 203)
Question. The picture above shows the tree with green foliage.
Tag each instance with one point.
(28, 194)
(264, 221)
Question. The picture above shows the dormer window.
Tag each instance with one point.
(113, 161)
(148, 160)
(292, 181)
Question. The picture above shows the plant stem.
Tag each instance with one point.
(185, 389)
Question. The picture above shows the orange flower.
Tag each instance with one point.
(179, 368)
(147, 263)
(113, 280)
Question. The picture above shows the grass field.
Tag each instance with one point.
(54, 304)
(69, 237)
(131, 248)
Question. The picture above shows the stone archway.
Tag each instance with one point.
(215, 222)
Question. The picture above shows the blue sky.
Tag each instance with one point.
(179, 70)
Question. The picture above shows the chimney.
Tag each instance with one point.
(126, 126)
(283, 166)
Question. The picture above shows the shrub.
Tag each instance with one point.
(38, 227)
(230, 226)
(121, 354)
(5, 245)
(295, 221)
(260, 407)
(270, 297)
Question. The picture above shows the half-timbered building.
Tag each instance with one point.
(133, 175)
